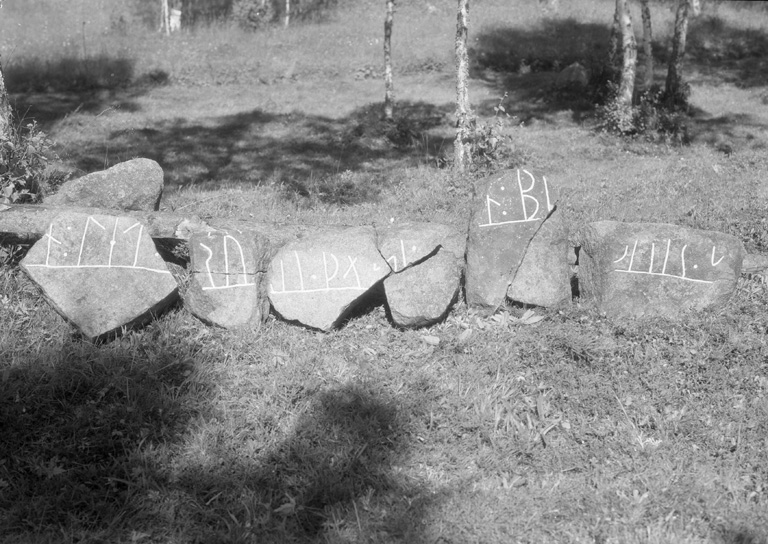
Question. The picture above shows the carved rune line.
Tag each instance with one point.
(350, 274)
(112, 243)
(227, 274)
(489, 202)
(664, 273)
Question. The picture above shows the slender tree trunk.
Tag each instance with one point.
(6, 125)
(614, 45)
(389, 99)
(675, 68)
(647, 45)
(462, 151)
(628, 54)
(165, 17)
(287, 19)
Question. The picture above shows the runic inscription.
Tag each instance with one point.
(317, 272)
(664, 260)
(104, 242)
(399, 260)
(229, 270)
(509, 203)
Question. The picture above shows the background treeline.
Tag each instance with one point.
(248, 13)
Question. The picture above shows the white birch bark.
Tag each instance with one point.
(5, 109)
(675, 67)
(287, 19)
(389, 98)
(647, 45)
(165, 17)
(462, 151)
(628, 53)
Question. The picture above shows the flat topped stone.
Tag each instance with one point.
(136, 184)
(655, 269)
(508, 209)
(317, 281)
(227, 272)
(100, 272)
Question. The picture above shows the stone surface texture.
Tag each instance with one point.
(656, 270)
(227, 273)
(508, 210)
(422, 295)
(408, 243)
(136, 184)
(544, 276)
(427, 260)
(316, 281)
(100, 272)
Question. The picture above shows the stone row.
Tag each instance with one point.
(103, 272)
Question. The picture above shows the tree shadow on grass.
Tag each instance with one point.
(72, 431)
(94, 449)
(304, 153)
(47, 90)
(723, 52)
(128, 441)
(525, 62)
(332, 476)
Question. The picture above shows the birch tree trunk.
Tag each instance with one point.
(389, 99)
(647, 45)
(628, 54)
(674, 70)
(5, 109)
(614, 45)
(165, 17)
(462, 150)
(287, 19)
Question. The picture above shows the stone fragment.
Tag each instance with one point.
(136, 184)
(227, 272)
(408, 243)
(317, 281)
(572, 76)
(100, 272)
(427, 259)
(655, 269)
(422, 294)
(544, 276)
(509, 207)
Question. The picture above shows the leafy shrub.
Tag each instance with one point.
(252, 14)
(256, 14)
(24, 173)
(491, 148)
(655, 116)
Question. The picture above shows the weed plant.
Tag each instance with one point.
(25, 176)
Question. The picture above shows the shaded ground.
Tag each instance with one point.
(93, 435)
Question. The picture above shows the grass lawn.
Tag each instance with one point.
(479, 429)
